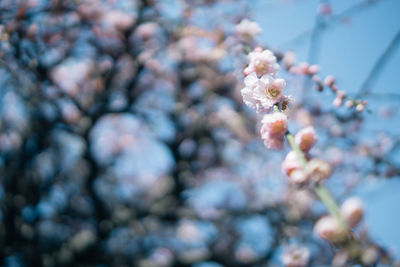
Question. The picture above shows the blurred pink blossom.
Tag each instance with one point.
(247, 29)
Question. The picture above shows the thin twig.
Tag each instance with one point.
(379, 65)
(314, 48)
(334, 19)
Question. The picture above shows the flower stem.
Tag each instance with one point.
(295, 147)
(330, 203)
(321, 191)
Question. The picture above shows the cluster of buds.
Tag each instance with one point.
(341, 97)
(332, 229)
(315, 171)
(303, 68)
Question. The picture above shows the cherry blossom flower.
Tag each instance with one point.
(261, 94)
(262, 62)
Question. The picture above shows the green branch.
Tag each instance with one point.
(323, 194)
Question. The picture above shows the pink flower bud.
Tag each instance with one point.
(337, 102)
(349, 103)
(294, 70)
(370, 255)
(318, 170)
(341, 94)
(329, 80)
(247, 71)
(324, 9)
(273, 125)
(316, 79)
(359, 107)
(289, 59)
(306, 138)
(329, 229)
(303, 68)
(334, 88)
(313, 69)
(299, 177)
(318, 83)
(291, 163)
(352, 212)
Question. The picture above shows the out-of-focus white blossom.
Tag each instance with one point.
(247, 29)
(295, 256)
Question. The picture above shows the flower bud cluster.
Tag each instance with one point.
(332, 230)
(341, 97)
(314, 170)
(303, 68)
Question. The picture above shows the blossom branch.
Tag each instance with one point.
(263, 92)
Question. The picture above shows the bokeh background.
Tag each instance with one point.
(124, 141)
